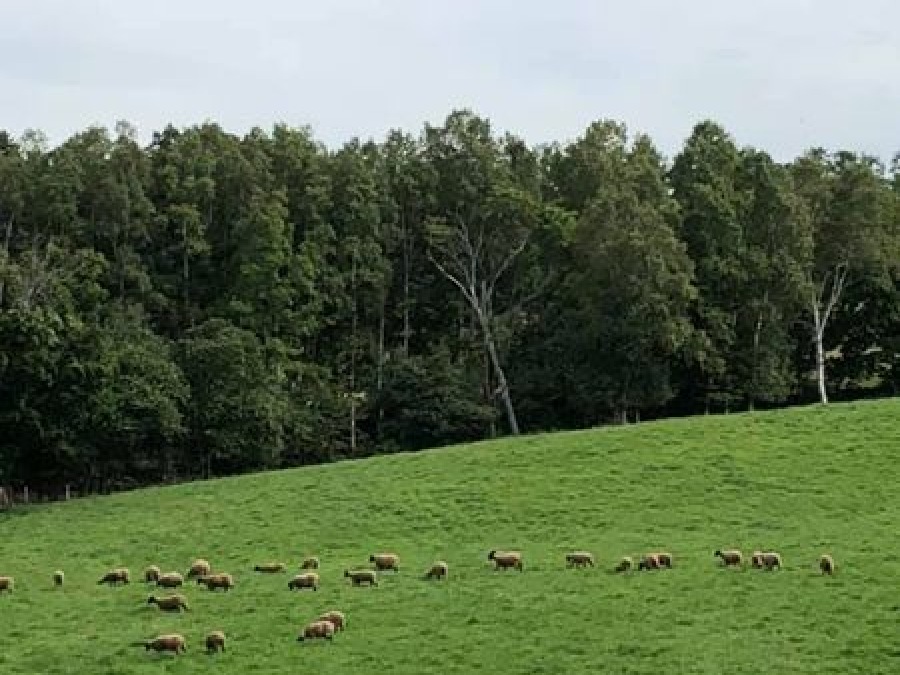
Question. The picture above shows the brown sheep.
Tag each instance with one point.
(624, 565)
(730, 558)
(169, 603)
(6, 584)
(507, 560)
(318, 629)
(151, 574)
(167, 643)
(301, 581)
(579, 559)
(213, 581)
(215, 641)
(756, 559)
(310, 563)
(269, 567)
(58, 578)
(199, 568)
(114, 577)
(826, 564)
(359, 577)
(649, 562)
(170, 580)
(385, 561)
(771, 560)
(335, 617)
(438, 571)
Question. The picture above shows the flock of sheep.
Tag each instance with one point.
(325, 625)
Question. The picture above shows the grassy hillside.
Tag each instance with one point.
(803, 482)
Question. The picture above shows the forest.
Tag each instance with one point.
(214, 304)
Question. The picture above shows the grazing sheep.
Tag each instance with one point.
(151, 574)
(6, 584)
(114, 577)
(213, 581)
(310, 563)
(318, 629)
(771, 560)
(731, 557)
(664, 558)
(335, 617)
(166, 643)
(170, 603)
(756, 559)
(624, 565)
(649, 562)
(58, 578)
(301, 581)
(215, 641)
(359, 577)
(506, 560)
(199, 568)
(269, 567)
(826, 564)
(579, 559)
(385, 561)
(437, 571)
(170, 580)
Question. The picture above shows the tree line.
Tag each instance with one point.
(213, 303)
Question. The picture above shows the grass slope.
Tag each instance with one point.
(801, 481)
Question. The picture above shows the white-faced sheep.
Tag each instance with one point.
(649, 562)
(624, 565)
(6, 584)
(215, 641)
(730, 558)
(771, 560)
(58, 578)
(269, 567)
(317, 629)
(385, 561)
(310, 563)
(504, 560)
(438, 570)
(169, 603)
(114, 577)
(756, 560)
(307, 580)
(360, 577)
(826, 564)
(335, 617)
(170, 580)
(579, 559)
(151, 574)
(166, 643)
(221, 580)
(199, 568)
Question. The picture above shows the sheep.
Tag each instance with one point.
(301, 581)
(317, 629)
(213, 581)
(336, 618)
(506, 560)
(664, 558)
(199, 568)
(215, 641)
(6, 584)
(385, 561)
(114, 577)
(170, 580)
(169, 603)
(151, 574)
(756, 559)
(167, 643)
(269, 567)
(359, 577)
(58, 577)
(771, 560)
(649, 562)
(310, 563)
(579, 559)
(730, 557)
(624, 565)
(826, 564)
(437, 571)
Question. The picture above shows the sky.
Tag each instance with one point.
(781, 75)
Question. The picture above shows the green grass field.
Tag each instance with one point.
(802, 481)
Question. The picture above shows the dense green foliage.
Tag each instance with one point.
(214, 304)
(800, 481)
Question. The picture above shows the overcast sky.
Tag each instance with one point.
(779, 74)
